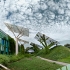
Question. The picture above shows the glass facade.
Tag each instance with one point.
(4, 43)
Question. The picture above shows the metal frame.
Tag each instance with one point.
(49, 40)
(23, 41)
(17, 29)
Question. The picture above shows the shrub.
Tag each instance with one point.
(22, 51)
(35, 48)
(4, 59)
(41, 52)
(67, 45)
(11, 45)
(28, 55)
(14, 58)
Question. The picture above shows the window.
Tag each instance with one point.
(0, 40)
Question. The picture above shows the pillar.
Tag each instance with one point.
(16, 45)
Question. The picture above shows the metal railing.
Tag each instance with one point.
(4, 67)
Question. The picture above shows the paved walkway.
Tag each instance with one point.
(57, 62)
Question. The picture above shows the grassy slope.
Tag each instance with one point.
(33, 63)
(67, 60)
(57, 53)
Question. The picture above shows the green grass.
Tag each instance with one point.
(67, 60)
(33, 63)
(29, 62)
(57, 53)
(4, 59)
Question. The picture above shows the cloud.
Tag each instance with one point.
(49, 17)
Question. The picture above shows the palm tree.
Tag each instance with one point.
(43, 41)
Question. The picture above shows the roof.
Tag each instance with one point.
(30, 51)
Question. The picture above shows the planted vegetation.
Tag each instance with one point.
(67, 59)
(26, 61)
(43, 40)
(30, 62)
(57, 53)
(4, 59)
(33, 63)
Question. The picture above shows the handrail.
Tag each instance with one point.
(4, 67)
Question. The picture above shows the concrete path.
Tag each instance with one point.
(57, 62)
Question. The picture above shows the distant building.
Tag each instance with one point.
(30, 51)
(4, 43)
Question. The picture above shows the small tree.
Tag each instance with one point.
(11, 45)
(35, 47)
(22, 49)
(67, 45)
(27, 49)
(42, 40)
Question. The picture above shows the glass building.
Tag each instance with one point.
(4, 43)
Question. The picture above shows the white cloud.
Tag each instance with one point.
(58, 31)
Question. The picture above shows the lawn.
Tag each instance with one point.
(30, 62)
(57, 53)
(67, 60)
(33, 63)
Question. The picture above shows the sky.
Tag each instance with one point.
(50, 17)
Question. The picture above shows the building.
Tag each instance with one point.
(4, 43)
(30, 51)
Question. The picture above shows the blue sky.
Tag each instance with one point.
(51, 17)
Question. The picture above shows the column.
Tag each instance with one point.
(16, 45)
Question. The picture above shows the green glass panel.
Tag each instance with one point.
(63, 68)
(3, 36)
(68, 67)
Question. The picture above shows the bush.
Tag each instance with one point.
(28, 55)
(41, 52)
(35, 48)
(22, 51)
(4, 59)
(11, 45)
(14, 58)
(67, 45)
